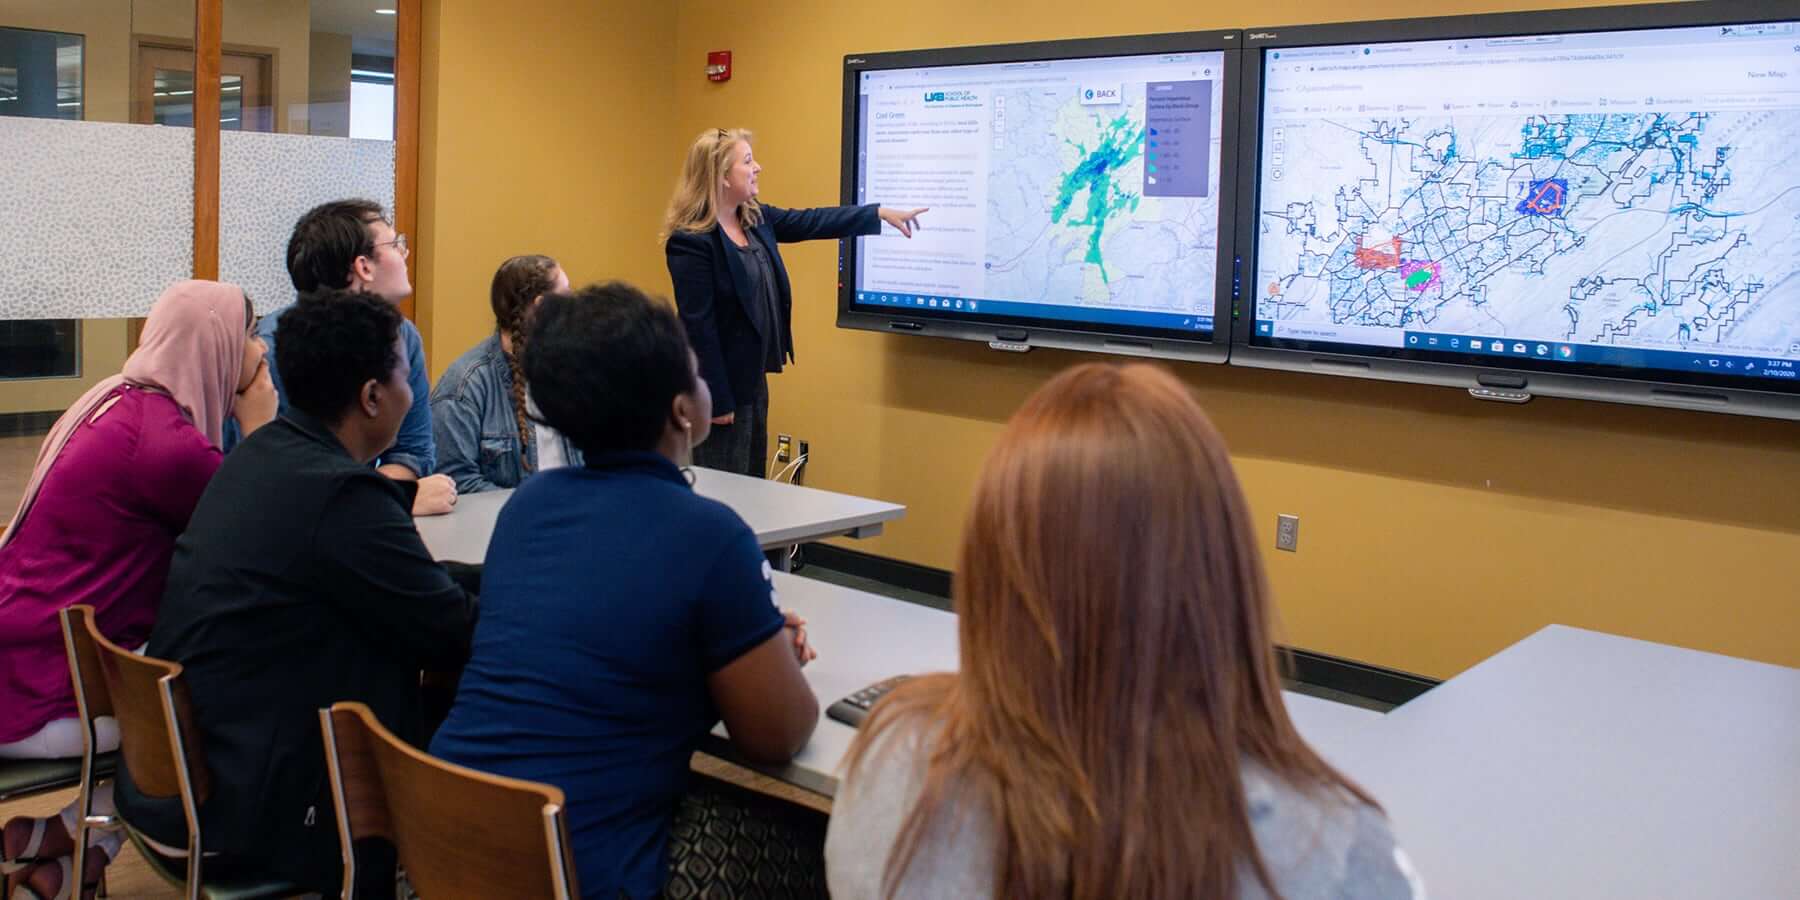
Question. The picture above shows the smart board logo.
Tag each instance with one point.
(1100, 94)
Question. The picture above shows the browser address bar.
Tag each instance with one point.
(1532, 41)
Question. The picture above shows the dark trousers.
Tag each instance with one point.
(743, 446)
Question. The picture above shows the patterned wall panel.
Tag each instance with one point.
(99, 217)
(267, 181)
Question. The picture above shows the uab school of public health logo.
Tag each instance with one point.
(949, 96)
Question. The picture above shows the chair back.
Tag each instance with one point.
(159, 744)
(458, 832)
(91, 698)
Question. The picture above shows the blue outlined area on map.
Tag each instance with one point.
(1545, 197)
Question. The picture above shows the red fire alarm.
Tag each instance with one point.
(718, 65)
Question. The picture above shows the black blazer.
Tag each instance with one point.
(300, 581)
(712, 291)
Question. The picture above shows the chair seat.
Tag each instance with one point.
(22, 777)
(248, 890)
(173, 869)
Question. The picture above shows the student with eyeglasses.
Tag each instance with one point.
(351, 245)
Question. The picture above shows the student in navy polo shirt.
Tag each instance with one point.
(623, 616)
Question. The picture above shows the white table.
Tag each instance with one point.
(863, 638)
(780, 513)
(1583, 765)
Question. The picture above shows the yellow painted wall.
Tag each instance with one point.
(546, 127)
(1435, 529)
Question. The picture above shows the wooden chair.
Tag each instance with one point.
(459, 833)
(159, 745)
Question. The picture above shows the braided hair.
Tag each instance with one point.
(519, 282)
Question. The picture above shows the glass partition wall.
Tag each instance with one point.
(127, 172)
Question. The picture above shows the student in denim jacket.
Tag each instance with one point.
(486, 425)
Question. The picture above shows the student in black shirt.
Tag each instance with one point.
(301, 581)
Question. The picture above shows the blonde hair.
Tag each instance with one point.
(691, 208)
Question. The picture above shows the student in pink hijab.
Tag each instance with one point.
(115, 482)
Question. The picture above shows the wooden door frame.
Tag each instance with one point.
(266, 59)
(209, 21)
(209, 32)
(409, 48)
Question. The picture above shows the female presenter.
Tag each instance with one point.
(732, 289)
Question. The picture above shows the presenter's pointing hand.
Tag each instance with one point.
(903, 220)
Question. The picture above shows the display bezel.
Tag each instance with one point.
(1595, 381)
(1016, 332)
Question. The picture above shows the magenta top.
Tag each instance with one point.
(101, 533)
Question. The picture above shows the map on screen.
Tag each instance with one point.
(1627, 198)
(1076, 190)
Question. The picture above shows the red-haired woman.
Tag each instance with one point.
(1117, 726)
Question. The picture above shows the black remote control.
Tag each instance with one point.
(852, 710)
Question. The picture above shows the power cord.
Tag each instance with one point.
(792, 474)
(792, 471)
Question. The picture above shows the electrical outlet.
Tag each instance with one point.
(1287, 533)
(783, 448)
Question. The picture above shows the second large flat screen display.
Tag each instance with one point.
(1079, 192)
(1605, 202)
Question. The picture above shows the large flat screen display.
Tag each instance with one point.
(1075, 191)
(1570, 205)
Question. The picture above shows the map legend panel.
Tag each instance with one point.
(1177, 149)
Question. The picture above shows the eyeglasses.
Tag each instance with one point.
(399, 243)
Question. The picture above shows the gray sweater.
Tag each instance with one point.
(1314, 845)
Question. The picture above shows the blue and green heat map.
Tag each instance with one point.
(1645, 230)
(1095, 176)
(1068, 219)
